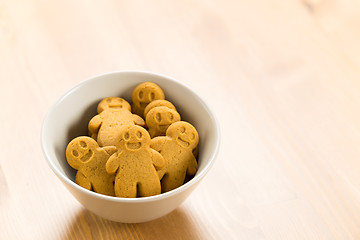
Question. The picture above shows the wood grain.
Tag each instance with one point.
(281, 76)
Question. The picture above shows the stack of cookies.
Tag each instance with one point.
(135, 150)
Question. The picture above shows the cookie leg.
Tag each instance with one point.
(82, 180)
(171, 181)
(104, 187)
(125, 189)
(149, 187)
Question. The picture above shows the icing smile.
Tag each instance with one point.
(163, 127)
(183, 142)
(133, 146)
(115, 106)
(143, 104)
(87, 156)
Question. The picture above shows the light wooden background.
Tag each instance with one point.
(282, 76)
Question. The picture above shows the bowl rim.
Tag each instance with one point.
(171, 193)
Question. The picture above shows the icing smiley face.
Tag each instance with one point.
(158, 119)
(133, 138)
(80, 150)
(184, 134)
(114, 103)
(143, 94)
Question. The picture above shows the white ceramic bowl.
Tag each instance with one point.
(69, 116)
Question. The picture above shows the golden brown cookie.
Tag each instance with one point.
(159, 119)
(113, 112)
(143, 94)
(177, 149)
(135, 164)
(158, 103)
(85, 155)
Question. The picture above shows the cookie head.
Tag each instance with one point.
(115, 103)
(134, 138)
(160, 118)
(145, 93)
(184, 134)
(80, 150)
(158, 103)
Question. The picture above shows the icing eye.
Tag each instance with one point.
(182, 129)
(139, 134)
(170, 116)
(158, 117)
(126, 136)
(151, 96)
(75, 153)
(141, 94)
(83, 144)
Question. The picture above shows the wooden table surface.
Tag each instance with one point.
(283, 78)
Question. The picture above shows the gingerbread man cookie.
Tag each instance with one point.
(177, 149)
(85, 155)
(135, 164)
(143, 94)
(158, 119)
(113, 112)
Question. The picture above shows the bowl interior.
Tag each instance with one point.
(69, 116)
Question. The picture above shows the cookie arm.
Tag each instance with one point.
(157, 159)
(110, 149)
(157, 143)
(94, 125)
(195, 151)
(138, 120)
(82, 180)
(112, 163)
(192, 167)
